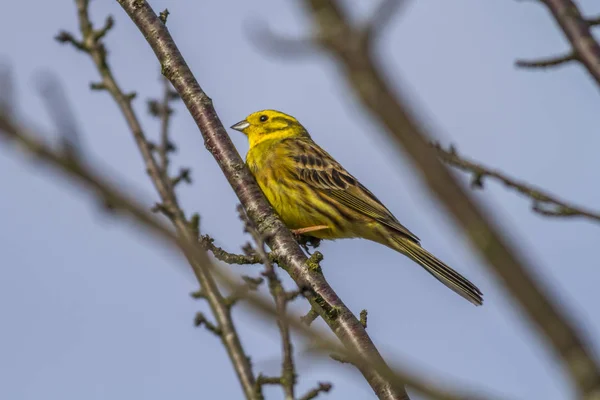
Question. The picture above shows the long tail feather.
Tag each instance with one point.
(438, 269)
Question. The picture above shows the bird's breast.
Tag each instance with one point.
(298, 204)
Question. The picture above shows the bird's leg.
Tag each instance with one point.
(308, 229)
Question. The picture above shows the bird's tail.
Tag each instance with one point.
(437, 268)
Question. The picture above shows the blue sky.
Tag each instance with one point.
(93, 308)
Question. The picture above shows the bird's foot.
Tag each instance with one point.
(309, 229)
(306, 240)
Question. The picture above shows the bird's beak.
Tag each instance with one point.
(240, 126)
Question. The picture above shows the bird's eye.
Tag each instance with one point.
(263, 118)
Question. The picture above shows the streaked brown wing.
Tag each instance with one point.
(317, 168)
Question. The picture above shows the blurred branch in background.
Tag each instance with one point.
(578, 30)
(543, 203)
(351, 46)
(289, 254)
(57, 104)
(118, 204)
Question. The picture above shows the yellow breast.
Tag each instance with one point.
(266, 162)
(296, 202)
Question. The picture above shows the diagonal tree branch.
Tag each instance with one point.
(543, 202)
(91, 43)
(355, 57)
(331, 308)
(577, 30)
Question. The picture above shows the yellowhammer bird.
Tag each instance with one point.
(314, 195)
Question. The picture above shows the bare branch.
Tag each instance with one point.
(577, 30)
(108, 24)
(182, 176)
(164, 111)
(230, 258)
(345, 325)
(163, 15)
(322, 388)
(547, 63)
(339, 358)
(80, 172)
(66, 37)
(293, 295)
(310, 317)
(593, 21)
(363, 318)
(367, 80)
(201, 319)
(542, 202)
(268, 380)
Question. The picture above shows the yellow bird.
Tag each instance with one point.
(314, 195)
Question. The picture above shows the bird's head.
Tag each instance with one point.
(269, 125)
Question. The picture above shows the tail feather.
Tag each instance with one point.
(438, 269)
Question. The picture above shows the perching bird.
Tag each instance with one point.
(314, 195)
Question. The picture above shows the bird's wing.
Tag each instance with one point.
(316, 167)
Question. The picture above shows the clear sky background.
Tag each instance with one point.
(91, 308)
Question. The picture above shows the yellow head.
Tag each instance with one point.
(269, 125)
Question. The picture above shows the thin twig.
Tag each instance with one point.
(345, 325)
(230, 258)
(322, 388)
(201, 319)
(547, 62)
(363, 318)
(365, 77)
(288, 370)
(593, 21)
(91, 44)
(543, 202)
(162, 110)
(113, 200)
(310, 317)
(339, 358)
(166, 146)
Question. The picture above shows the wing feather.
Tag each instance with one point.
(317, 168)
